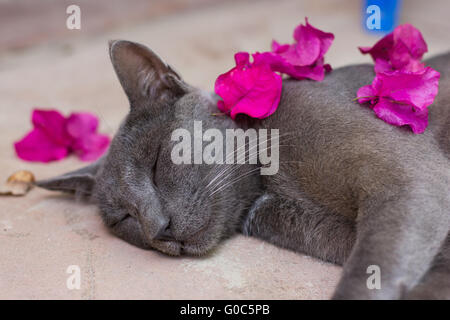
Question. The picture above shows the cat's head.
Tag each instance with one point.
(144, 197)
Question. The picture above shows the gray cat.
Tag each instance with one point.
(350, 189)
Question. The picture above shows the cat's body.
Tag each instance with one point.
(348, 176)
(350, 189)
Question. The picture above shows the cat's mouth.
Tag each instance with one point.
(194, 246)
(171, 248)
(197, 244)
(178, 248)
(196, 249)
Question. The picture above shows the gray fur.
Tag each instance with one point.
(351, 189)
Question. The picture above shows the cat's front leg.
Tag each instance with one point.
(398, 237)
(436, 282)
(302, 226)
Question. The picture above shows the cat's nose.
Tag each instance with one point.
(164, 232)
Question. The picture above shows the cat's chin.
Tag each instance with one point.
(197, 249)
(175, 248)
(171, 248)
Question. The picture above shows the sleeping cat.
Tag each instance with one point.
(350, 188)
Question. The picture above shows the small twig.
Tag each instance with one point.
(218, 114)
(357, 98)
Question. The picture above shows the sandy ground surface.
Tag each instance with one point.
(44, 233)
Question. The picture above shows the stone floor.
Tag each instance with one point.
(44, 233)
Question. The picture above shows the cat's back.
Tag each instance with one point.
(439, 116)
(332, 147)
(328, 110)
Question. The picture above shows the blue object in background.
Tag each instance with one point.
(380, 16)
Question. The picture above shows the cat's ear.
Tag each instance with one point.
(80, 182)
(145, 77)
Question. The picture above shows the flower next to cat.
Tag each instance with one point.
(403, 87)
(55, 136)
(254, 88)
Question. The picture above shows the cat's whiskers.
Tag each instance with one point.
(215, 186)
(232, 182)
(231, 169)
(232, 154)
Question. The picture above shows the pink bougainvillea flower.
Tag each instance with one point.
(402, 97)
(255, 88)
(48, 140)
(249, 88)
(303, 59)
(54, 137)
(402, 49)
(86, 142)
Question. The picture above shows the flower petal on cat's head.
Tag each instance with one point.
(252, 89)
(402, 114)
(38, 146)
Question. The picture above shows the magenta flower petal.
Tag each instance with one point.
(252, 89)
(38, 146)
(415, 88)
(278, 63)
(279, 48)
(91, 147)
(242, 59)
(53, 123)
(403, 87)
(382, 66)
(54, 137)
(314, 72)
(381, 49)
(255, 88)
(86, 143)
(408, 44)
(402, 114)
(305, 58)
(365, 94)
(306, 51)
(303, 34)
(80, 124)
(400, 50)
(327, 67)
(48, 140)
(402, 97)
